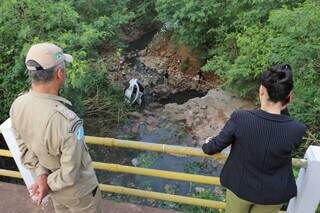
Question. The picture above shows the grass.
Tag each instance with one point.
(147, 159)
(194, 167)
(205, 194)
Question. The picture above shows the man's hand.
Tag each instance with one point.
(40, 188)
(33, 189)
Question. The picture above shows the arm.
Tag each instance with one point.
(224, 138)
(70, 151)
(28, 158)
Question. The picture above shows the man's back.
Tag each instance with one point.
(51, 137)
(47, 128)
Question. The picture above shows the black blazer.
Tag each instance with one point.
(259, 167)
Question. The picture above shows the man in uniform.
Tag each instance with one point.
(51, 137)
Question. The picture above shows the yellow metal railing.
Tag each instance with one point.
(168, 149)
(158, 173)
(146, 172)
(142, 193)
(163, 148)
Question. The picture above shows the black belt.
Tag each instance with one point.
(94, 191)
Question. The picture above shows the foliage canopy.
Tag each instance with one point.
(243, 38)
(81, 29)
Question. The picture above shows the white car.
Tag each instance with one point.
(134, 92)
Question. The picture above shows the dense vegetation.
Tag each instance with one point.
(239, 39)
(84, 29)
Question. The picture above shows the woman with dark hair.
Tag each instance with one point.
(258, 172)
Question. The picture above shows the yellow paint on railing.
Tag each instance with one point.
(10, 173)
(164, 148)
(163, 196)
(158, 173)
(143, 193)
(168, 149)
(147, 172)
(5, 153)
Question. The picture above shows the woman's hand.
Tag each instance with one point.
(208, 139)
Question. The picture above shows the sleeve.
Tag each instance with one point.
(301, 132)
(224, 138)
(28, 158)
(62, 140)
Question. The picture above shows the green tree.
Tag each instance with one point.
(25, 22)
(289, 35)
(206, 23)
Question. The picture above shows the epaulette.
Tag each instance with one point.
(22, 93)
(75, 121)
(67, 113)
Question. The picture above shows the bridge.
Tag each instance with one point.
(172, 150)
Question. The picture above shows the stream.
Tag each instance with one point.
(150, 125)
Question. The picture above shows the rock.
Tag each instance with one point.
(180, 118)
(152, 105)
(199, 189)
(145, 82)
(178, 77)
(147, 112)
(197, 121)
(135, 162)
(168, 54)
(219, 191)
(203, 106)
(135, 115)
(143, 52)
(162, 53)
(151, 120)
(163, 64)
(174, 91)
(205, 116)
(151, 128)
(135, 129)
(194, 85)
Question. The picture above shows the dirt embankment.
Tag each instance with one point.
(180, 65)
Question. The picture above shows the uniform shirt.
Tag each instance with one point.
(51, 140)
(259, 166)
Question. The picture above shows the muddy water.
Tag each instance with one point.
(155, 128)
(182, 97)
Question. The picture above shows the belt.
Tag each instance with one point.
(94, 191)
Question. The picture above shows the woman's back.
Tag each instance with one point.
(259, 166)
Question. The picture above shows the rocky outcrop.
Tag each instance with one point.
(199, 118)
(159, 69)
(206, 116)
(162, 69)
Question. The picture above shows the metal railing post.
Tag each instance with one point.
(308, 197)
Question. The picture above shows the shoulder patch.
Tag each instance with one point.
(80, 133)
(69, 114)
(76, 125)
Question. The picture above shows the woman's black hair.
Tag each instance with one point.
(278, 81)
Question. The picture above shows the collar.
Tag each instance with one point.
(269, 116)
(49, 96)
